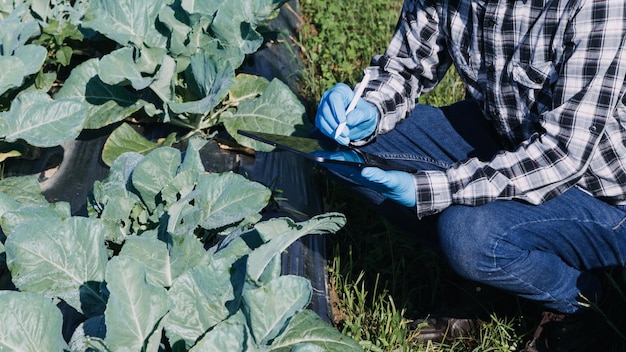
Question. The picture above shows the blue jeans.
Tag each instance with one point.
(546, 253)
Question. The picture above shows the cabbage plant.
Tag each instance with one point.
(169, 258)
(71, 65)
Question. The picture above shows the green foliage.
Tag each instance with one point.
(41, 121)
(29, 314)
(136, 270)
(55, 37)
(18, 58)
(161, 61)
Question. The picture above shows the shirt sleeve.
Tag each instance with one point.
(415, 61)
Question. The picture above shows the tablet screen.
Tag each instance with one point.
(325, 151)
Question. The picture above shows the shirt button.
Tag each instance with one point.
(491, 22)
(593, 129)
(491, 67)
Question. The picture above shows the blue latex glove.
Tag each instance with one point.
(395, 185)
(352, 172)
(360, 122)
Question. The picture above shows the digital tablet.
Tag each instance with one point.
(325, 151)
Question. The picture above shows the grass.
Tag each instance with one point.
(384, 281)
(339, 41)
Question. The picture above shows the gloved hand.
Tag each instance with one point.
(360, 122)
(395, 185)
(352, 172)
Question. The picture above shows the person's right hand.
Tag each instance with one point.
(360, 122)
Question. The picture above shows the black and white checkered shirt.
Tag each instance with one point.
(551, 77)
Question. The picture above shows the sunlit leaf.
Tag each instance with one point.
(30, 323)
(43, 122)
(287, 296)
(307, 328)
(224, 337)
(199, 297)
(280, 233)
(154, 172)
(23, 189)
(154, 255)
(60, 258)
(227, 198)
(135, 307)
(106, 104)
(127, 22)
(120, 68)
(125, 139)
(276, 111)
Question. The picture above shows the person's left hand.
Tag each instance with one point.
(395, 185)
(331, 114)
(352, 172)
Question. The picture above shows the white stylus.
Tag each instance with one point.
(353, 102)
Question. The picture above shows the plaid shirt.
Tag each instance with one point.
(550, 76)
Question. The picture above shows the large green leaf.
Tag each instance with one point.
(32, 57)
(234, 25)
(154, 255)
(120, 68)
(60, 258)
(228, 198)
(192, 160)
(24, 189)
(164, 83)
(7, 204)
(106, 104)
(186, 252)
(276, 111)
(269, 307)
(154, 172)
(135, 307)
(41, 8)
(11, 219)
(128, 22)
(280, 233)
(238, 244)
(43, 122)
(201, 7)
(307, 328)
(225, 336)
(27, 60)
(111, 199)
(199, 297)
(208, 78)
(125, 139)
(246, 87)
(179, 30)
(16, 30)
(30, 323)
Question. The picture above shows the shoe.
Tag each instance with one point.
(563, 333)
(442, 328)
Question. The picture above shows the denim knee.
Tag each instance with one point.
(466, 241)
